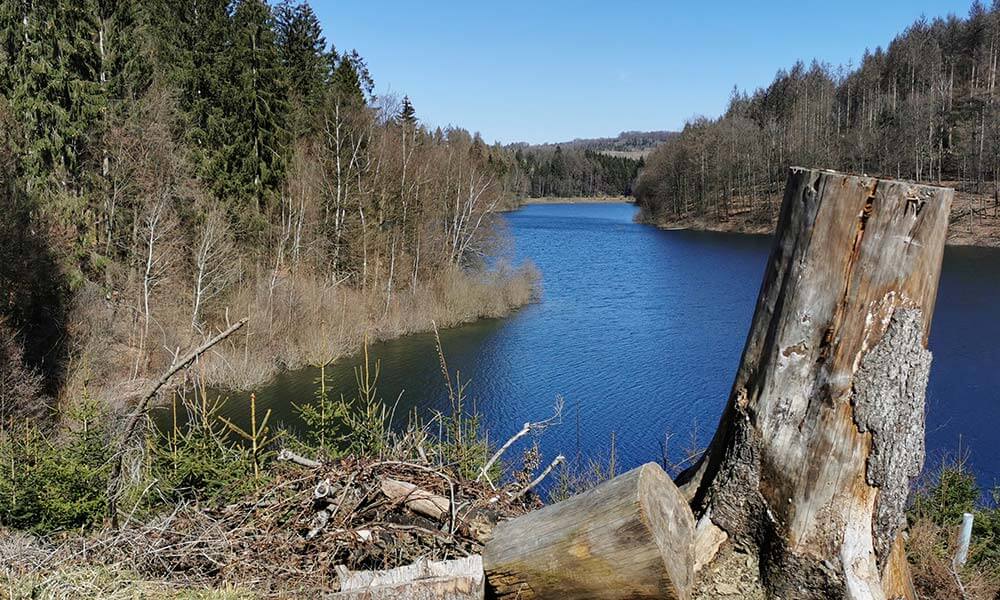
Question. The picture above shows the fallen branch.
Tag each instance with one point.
(528, 428)
(558, 460)
(416, 499)
(298, 459)
(114, 483)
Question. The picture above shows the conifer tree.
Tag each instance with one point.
(50, 79)
(303, 55)
(253, 155)
(350, 82)
(407, 114)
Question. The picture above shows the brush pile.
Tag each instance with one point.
(300, 533)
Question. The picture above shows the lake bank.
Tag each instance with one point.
(578, 200)
(975, 221)
(641, 330)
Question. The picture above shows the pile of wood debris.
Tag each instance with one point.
(305, 532)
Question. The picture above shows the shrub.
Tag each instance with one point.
(934, 517)
(199, 461)
(55, 481)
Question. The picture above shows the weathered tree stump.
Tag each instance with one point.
(824, 427)
(629, 537)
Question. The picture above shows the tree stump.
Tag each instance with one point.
(824, 427)
(629, 537)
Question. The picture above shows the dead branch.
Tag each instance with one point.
(528, 428)
(114, 483)
(557, 461)
(298, 459)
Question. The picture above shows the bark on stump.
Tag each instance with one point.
(629, 537)
(824, 427)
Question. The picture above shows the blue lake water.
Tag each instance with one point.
(641, 330)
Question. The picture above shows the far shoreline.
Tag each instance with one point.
(578, 200)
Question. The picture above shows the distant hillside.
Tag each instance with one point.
(628, 144)
(592, 167)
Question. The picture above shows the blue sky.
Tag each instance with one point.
(552, 71)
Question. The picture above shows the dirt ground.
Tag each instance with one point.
(975, 221)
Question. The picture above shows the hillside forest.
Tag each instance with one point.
(924, 108)
(172, 166)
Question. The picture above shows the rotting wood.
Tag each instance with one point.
(824, 426)
(298, 459)
(460, 579)
(629, 537)
(416, 499)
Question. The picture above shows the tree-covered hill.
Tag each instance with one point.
(924, 108)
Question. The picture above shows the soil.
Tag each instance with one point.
(975, 221)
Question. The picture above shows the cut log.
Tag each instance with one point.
(416, 499)
(460, 579)
(629, 537)
(824, 427)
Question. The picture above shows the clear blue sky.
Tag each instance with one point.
(555, 70)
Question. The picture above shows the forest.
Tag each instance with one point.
(924, 108)
(175, 165)
(575, 172)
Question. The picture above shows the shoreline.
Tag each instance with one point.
(577, 200)
(983, 233)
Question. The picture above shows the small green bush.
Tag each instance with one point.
(201, 462)
(55, 481)
(950, 493)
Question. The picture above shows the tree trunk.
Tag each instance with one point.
(630, 537)
(824, 427)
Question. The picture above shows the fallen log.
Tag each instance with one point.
(416, 499)
(460, 579)
(629, 537)
(824, 427)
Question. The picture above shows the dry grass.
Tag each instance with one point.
(296, 319)
(930, 547)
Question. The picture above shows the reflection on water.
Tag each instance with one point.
(641, 330)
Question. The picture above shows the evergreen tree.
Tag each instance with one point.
(50, 79)
(192, 37)
(254, 153)
(407, 114)
(303, 56)
(350, 82)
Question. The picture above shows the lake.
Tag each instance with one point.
(640, 331)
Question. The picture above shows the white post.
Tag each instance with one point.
(964, 537)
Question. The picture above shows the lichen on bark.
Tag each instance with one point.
(888, 399)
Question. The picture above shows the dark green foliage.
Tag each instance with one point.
(304, 58)
(201, 461)
(251, 161)
(350, 81)
(57, 481)
(577, 172)
(51, 81)
(952, 492)
(407, 114)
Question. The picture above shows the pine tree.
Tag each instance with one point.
(50, 79)
(303, 55)
(350, 82)
(191, 39)
(254, 154)
(407, 114)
